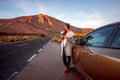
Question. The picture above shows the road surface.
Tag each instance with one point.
(15, 56)
(47, 65)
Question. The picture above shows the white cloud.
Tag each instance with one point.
(63, 17)
(80, 19)
(93, 20)
(23, 5)
(30, 7)
(40, 7)
(83, 20)
(60, 16)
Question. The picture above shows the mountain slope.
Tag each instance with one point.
(35, 24)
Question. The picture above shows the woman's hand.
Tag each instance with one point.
(64, 37)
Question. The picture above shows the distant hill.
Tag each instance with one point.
(35, 24)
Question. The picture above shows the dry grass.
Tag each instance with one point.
(76, 36)
(8, 39)
(57, 39)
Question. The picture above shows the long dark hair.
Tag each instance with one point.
(65, 32)
(68, 26)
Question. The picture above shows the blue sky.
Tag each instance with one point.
(79, 13)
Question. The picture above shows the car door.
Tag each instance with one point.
(86, 54)
(108, 60)
(84, 61)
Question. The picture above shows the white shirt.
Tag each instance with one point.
(67, 44)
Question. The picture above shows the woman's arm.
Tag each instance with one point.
(70, 36)
(62, 38)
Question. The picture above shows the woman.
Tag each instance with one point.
(66, 46)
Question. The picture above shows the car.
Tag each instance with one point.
(97, 55)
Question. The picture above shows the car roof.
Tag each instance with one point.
(115, 23)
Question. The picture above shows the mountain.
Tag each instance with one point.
(35, 24)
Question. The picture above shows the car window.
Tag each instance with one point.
(98, 37)
(116, 41)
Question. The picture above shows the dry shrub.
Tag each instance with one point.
(57, 39)
(78, 36)
(13, 38)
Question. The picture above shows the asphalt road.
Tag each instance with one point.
(48, 65)
(14, 56)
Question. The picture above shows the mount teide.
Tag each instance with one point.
(35, 24)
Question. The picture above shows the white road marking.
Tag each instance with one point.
(31, 57)
(22, 44)
(49, 41)
(39, 50)
(44, 46)
(11, 76)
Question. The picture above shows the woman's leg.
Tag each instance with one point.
(65, 63)
(69, 61)
(64, 59)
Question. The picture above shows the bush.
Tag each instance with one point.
(57, 39)
(78, 36)
(15, 38)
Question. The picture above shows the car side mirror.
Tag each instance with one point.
(77, 42)
(88, 38)
(82, 41)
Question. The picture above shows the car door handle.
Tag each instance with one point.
(91, 54)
